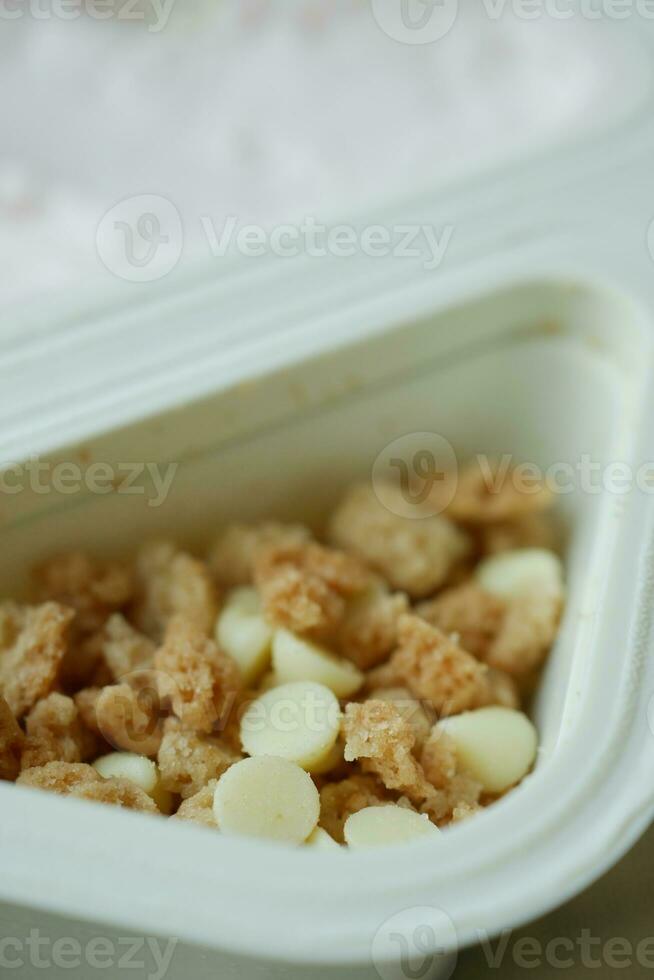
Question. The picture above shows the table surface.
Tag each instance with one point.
(602, 933)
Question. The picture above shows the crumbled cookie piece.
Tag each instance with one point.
(56, 733)
(93, 588)
(528, 631)
(368, 632)
(415, 555)
(304, 587)
(11, 742)
(199, 808)
(125, 649)
(84, 783)
(464, 811)
(129, 719)
(434, 668)
(340, 800)
(531, 531)
(488, 492)
(503, 691)
(86, 702)
(188, 761)
(172, 583)
(195, 675)
(236, 551)
(33, 642)
(439, 763)
(84, 664)
(474, 615)
(382, 741)
(420, 717)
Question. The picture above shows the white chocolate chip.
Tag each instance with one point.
(522, 573)
(378, 825)
(296, 659)
(243, 633)
(267, 797)
(299, 722)
(321, 840)
(138, 769)
(496, 746)
(127, 765)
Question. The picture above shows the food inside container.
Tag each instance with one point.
(369, 686)
(496, 375)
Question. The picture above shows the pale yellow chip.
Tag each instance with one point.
(521, 573)
(243, 633)
(299, 722)
(296, 659)
(320, 840)
(496, 746)
(267, 797)
(377, 826)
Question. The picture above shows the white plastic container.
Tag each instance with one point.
(529, 341)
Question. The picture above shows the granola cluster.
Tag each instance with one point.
(130, 657)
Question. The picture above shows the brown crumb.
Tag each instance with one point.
(488, 492)
(502, 690)
(474, 615)
(128, 719)
(84, 664)
(125, 649)
(93, 588)
(82, 781)
(530, 531)
(56, 733)
(236, 551)
(340, 800)
(368, 632)
(464, 811)
(304, 587)
(378, 737)
(527, 633)
(32, 646)
(434, 668)
(199, 808)
(420, 717)
(456, 789)
(11, 742)
(195, 675)
(416, 555)
(173, 583)
(188, 761)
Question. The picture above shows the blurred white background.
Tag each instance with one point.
(265, 110)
